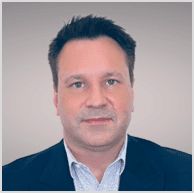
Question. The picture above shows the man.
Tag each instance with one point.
(92, 62)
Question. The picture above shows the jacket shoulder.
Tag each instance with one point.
(172, 161)
(176, 165)
(22, 171)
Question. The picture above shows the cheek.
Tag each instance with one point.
(122, 101)
(69, 105)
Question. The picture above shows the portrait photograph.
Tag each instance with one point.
(103, 87)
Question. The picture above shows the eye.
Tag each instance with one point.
(77, 84)
(112, 81)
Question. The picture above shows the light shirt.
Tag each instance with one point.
(84, 180)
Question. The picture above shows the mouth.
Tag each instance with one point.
(97, 121)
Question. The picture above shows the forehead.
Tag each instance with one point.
(92, 56)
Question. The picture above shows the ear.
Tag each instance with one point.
(133, 93)
(55, 101)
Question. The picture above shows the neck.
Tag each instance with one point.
(96, 160)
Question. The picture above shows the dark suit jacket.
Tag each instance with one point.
(148, 167)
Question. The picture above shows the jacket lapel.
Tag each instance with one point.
(139, 173)
(56, 175)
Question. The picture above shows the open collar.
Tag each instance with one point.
(71, 159)
(139, 173)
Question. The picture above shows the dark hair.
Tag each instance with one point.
(90, 27)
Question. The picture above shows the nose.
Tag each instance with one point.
(96, 98)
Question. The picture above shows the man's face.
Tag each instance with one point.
(93, 81)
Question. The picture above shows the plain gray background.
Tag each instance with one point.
(163, 77)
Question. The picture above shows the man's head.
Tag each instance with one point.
(92, 62)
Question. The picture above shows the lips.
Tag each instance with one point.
(99, 120)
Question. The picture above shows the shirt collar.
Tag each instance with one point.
(121, 156)
(70, 157)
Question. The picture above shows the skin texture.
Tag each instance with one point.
(94, 95)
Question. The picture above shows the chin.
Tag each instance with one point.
(98, 139)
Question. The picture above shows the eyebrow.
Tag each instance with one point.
(81, 76)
